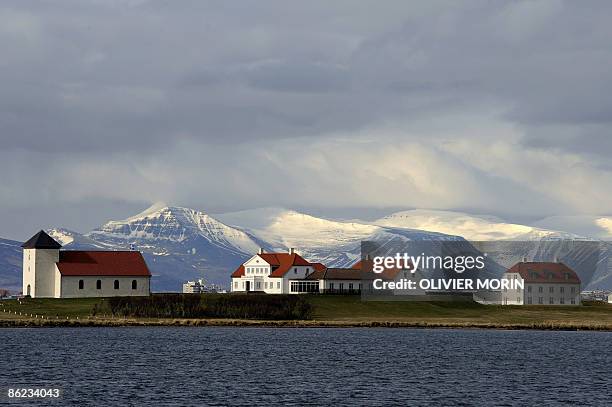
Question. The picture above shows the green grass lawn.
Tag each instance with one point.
(51, 307)
(350, 309)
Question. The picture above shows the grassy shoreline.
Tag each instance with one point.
(328, 311)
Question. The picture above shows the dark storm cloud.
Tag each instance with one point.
(110, 82)
(128, 75)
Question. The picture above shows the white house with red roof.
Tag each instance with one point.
(49, 272)
(275, 273)
(544, 283)
(290, 273)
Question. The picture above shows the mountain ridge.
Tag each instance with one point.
(182, 243)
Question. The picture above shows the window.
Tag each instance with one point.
(134, 284)
(266, 285)
(116, 284)
(278, 285)
(518, 299)
(529, 300)
(562, 300)
(236, 284)
(295, 270)
(540, 300)
(81, 284)
(573, 290)
(304, 286)
(359, 286)
(350, 286)
(561, 289)
(573, 301)
(540, 289)
(98, 284)
(529, 289)
(551, 289)
(331, 286)
(341, 286)
(258, 284)
(551, 300)
(307, 269)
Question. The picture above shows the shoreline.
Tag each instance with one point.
(242, 323)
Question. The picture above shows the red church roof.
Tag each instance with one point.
(545, 272)
(102, 263)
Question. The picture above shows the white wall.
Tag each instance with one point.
(561, 292)
(514, 296)
(257, 271)
(39, 272)
(70, 286)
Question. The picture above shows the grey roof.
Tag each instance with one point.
(41, 240)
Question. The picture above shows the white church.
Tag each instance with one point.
(49, 272)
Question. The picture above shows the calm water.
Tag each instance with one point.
(254, 366)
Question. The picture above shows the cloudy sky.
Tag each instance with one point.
(336, 108)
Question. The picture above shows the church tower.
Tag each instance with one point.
(40, 254)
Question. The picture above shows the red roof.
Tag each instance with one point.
(102, 263)
(545, 272)
(281, 263)
(319, 266)
(367, 266)
(239, 271)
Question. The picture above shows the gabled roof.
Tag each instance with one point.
(102, 263)
(41, 240)
(545, 272)
(281, 263)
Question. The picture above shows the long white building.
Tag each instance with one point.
(290, 273)
(49, 272)
(275, 273)
(544, 283)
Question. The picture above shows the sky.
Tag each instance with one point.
(340, 109)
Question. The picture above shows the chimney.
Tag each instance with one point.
(367, 256)
(556, 259)
(261, 250)
(524, 259)
(292, 250)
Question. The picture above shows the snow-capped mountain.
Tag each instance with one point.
(597, 227)
(175, 225)
(471, 227)
(331, 242)
(182, 243)
(510, 243)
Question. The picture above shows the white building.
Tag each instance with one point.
(194, 287)
(289, 273)
(275, 273)
(49, 272)
(199, 286)
(544, 283)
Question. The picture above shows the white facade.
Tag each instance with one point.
(109, 286)
(539, 293)
(43, 279)
(257, 277)
(39, 273)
